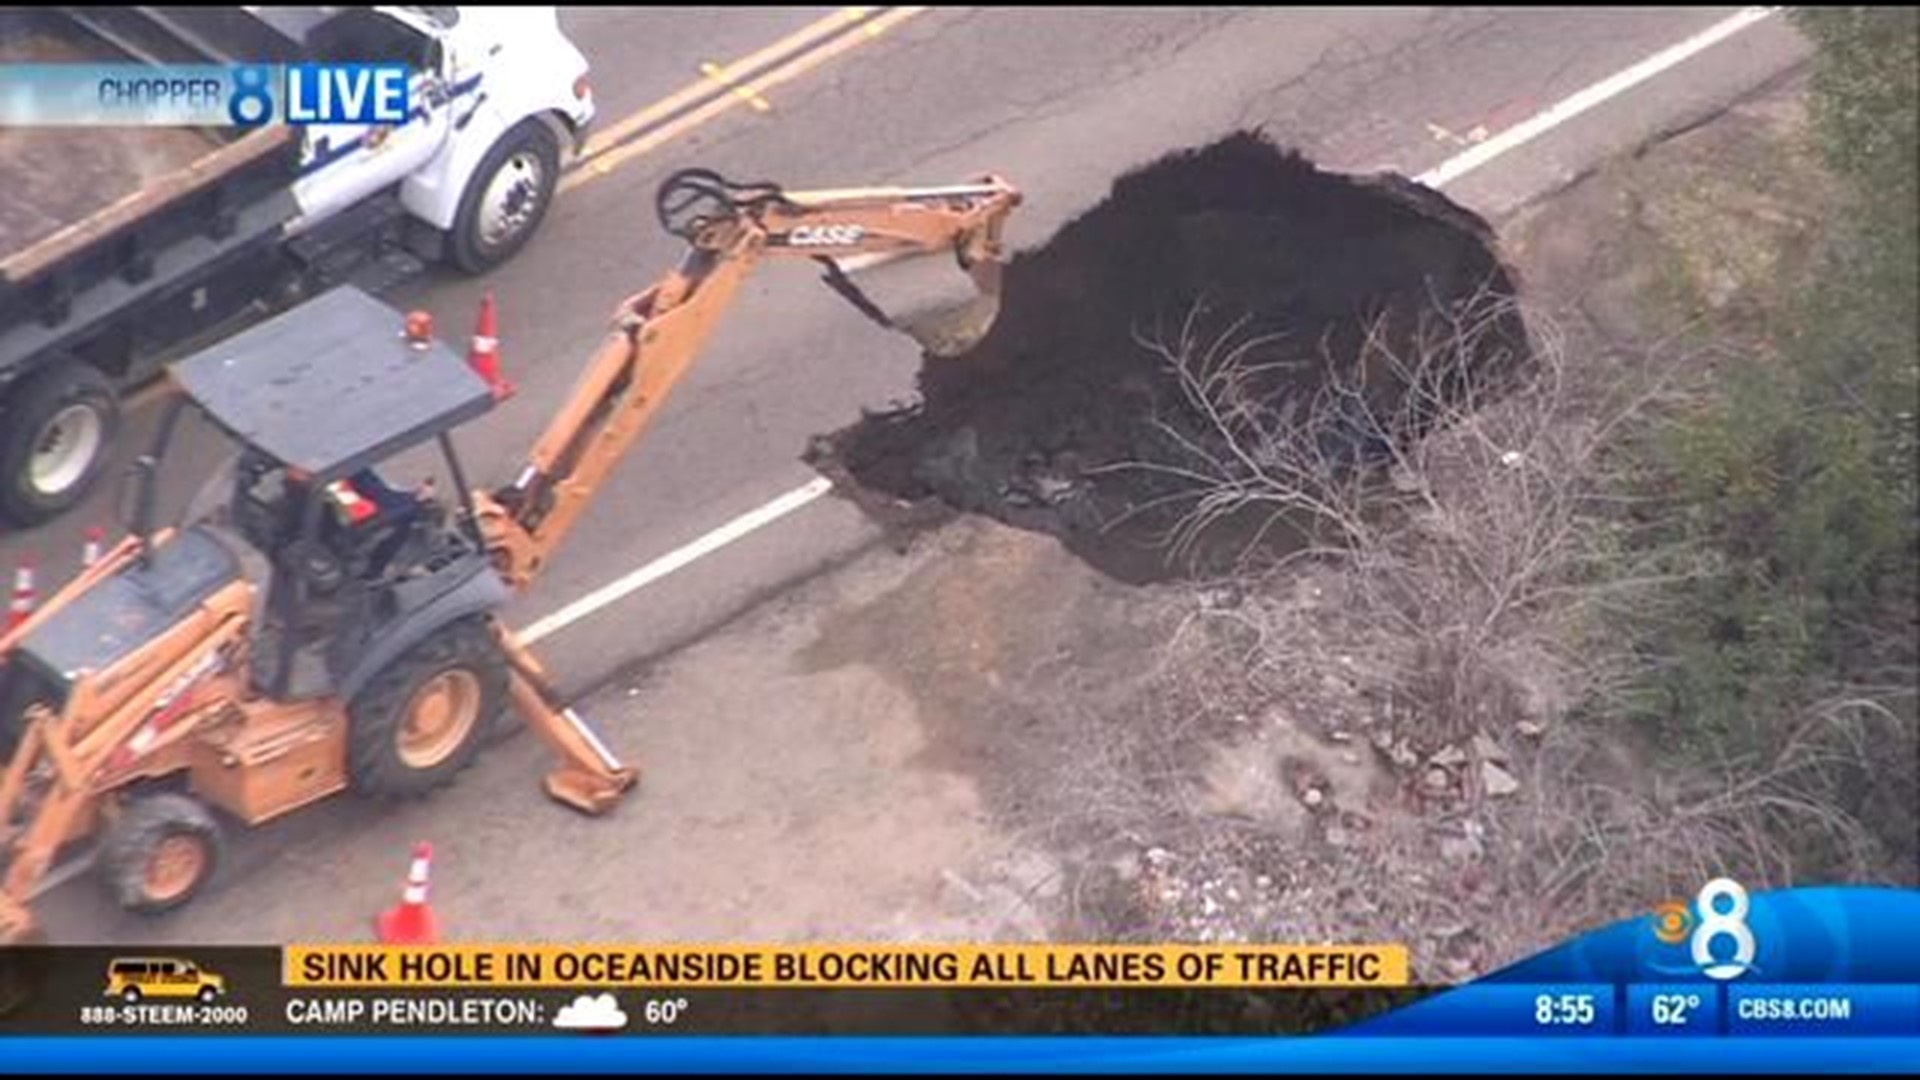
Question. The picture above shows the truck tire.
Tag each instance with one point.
(56, 430)
(159, 852)
(507, 198)
(422, 720)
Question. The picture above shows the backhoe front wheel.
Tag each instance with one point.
(159, 852)
(422, 720)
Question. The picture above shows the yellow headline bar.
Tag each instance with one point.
(706, 966)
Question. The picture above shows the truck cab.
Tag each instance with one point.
(494, 91)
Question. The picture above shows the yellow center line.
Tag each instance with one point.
(609, 160)
(745, 93)
(613, 134)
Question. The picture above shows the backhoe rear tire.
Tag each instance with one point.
(159, 852)
(424, 718)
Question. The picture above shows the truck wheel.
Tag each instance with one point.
(422, 720)
(159, 852)
(507, 198)
(56, 430)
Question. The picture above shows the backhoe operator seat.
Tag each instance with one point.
(373, 522)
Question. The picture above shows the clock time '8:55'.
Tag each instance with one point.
(1571, 1010)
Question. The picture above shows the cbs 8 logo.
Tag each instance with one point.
(1716, 924)
(252, 102)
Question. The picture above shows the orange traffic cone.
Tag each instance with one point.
(90, 551)
(25, 597)
(411, 922)
(484, 354)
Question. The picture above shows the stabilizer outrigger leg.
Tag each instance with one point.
(590, 778)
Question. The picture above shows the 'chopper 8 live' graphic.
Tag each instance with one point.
(1710, 936)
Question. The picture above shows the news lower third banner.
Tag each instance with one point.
(1800, 980)
(887, 966)
(713, 990)
(894, 990)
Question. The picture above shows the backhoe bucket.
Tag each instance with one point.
(944, 307)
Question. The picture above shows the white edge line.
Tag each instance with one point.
(617, 589)
(1569, 107)
(1451, 169)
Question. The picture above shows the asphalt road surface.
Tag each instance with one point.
(1059, 101)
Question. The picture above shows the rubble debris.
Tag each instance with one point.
(1496, 781)
(1460, 848)
(1486, 749)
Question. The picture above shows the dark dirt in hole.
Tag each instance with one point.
(1022, 428)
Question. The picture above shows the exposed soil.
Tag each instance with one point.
(1028, 426)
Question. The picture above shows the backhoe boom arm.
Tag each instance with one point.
(657, 333)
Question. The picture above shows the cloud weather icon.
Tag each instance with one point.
(592, 1012)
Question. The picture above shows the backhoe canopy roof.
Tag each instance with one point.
(333, 386)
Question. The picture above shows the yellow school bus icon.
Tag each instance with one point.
(135, 978)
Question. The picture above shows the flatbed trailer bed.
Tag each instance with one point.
(124, 248)
(66, 187)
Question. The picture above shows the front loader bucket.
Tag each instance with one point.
(944, 307)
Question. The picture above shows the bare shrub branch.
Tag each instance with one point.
(1467, 505)
(1461, 481)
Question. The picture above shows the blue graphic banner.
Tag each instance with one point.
(1673, 1010)
(1545, 1010)
(203, 95)
(1820, 935)
(1823, 1009)
(451, 1055)
(137, 95)
(1556, 1010)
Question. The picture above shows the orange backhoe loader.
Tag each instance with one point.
(309, 629)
